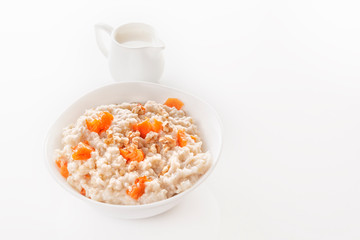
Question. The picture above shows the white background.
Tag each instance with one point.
(283, 75)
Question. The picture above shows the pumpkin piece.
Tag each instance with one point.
(106, 120)
(82, 151)
(94, 125)
(157, 126)
(146, 126)
(58, 162)
(62, 165)
(100, 124)
(181, 138)
(87, 176)
(83, 192)
(174, 102)
(138, 189)
(64, 171)
(132, 153)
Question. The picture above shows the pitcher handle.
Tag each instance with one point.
(106, 28)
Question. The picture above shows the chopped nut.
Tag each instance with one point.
(133, 166)
(164, 113)
(165, 170)
(166, 149)
(139, 109)
(109, 139)
(155, 148)
(167, 141)
(137, 141)
(122, 172)
(121, 141)
(151, 137)
(131, 135)
(134, 138)
(166, 127)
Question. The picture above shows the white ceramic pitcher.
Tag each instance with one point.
(134, 52)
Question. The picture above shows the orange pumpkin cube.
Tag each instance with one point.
(146, 126)
(181, 138)
(174, 102)
(100, 124)
(62, 165)
(138, 189)
(132, 153)
(83, 192)
(82, 151)
(157, 126)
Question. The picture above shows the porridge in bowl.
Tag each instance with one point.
(131, 153)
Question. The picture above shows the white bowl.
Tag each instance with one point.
(204, 115)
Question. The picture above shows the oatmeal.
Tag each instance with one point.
(131, 153)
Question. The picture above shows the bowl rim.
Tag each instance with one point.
(215, 159)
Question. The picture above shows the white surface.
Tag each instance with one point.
(283, 75)
(202, 113)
